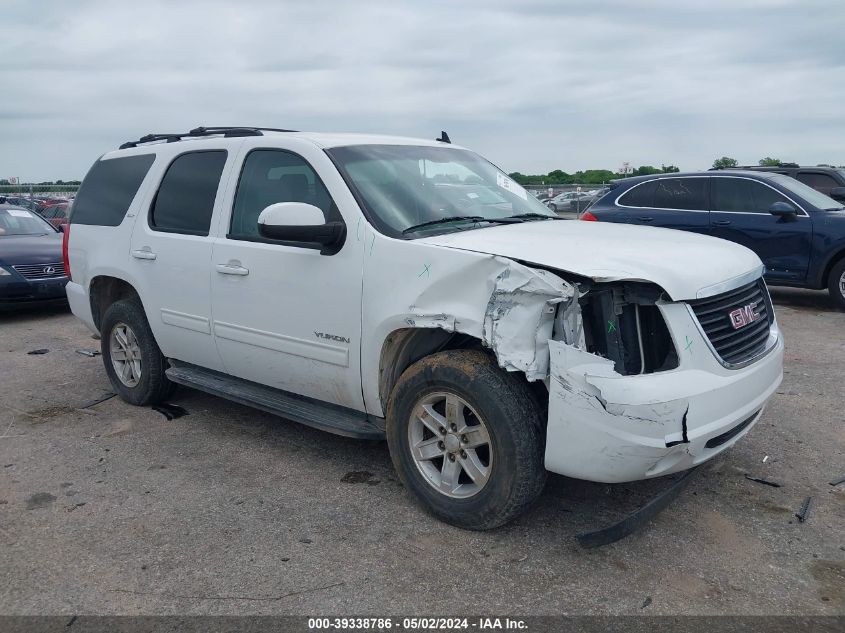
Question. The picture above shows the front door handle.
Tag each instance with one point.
(721, 222)
(232, 268)
(645, 218)
(143, 253)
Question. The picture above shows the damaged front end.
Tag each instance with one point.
(635, 390)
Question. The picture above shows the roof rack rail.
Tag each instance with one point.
(227, 131)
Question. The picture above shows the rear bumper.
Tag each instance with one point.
(80, 305)
(611, 428)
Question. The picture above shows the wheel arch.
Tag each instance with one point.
(104, 290)
(405, 346)
(837, 256)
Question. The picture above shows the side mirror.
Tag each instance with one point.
(301, 222)
(783, 210)
(838, 194)
(61, 228)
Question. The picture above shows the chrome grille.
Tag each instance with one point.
(736, 345)
(41, 271)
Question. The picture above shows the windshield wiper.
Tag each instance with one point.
(539, 216)
(458, 218)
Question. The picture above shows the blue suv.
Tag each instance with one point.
(798, 232)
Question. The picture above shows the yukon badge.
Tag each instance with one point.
(744, 316)
(332, 337)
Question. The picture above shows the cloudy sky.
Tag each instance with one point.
(532, 85)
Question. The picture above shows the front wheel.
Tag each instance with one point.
(553, 207)
(836, 284)
(466, 439)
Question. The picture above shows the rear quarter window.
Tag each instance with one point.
(682, 193)
(640, 195)
(109, 188)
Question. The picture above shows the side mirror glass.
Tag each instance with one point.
(301, 222)
(838, 194)
(783, 210)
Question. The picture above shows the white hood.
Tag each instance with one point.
(685, 265)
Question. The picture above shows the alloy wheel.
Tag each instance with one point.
(450, 445)
(125, 354)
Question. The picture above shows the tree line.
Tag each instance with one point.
(4, 181)
(588, 176)
(600, 176)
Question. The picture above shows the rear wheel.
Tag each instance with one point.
(134, 363)
(836, 284)
(466, 439)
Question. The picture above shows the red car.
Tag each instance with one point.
(57, 214)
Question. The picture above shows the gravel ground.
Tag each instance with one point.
(114, 509)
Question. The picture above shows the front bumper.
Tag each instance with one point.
(22, 292)
(607, 427)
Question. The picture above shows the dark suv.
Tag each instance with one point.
(797, 231)
(829, 180)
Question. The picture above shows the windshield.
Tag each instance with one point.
(22, 222)
(815, 198)
(403, 186)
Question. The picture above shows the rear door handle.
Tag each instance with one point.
(645, 218)
(143, 253)
(232, 268)
(721, 222)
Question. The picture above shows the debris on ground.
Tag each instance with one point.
(170, 411)
(838, 480)
(638, 518)
(88, 352)
(766, 482)
(804, 511)
(646, 602)
(360, 477)
(765, 459)
(38, 352)
(106, 396)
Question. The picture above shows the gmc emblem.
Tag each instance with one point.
(744, 316)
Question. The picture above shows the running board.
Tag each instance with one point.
(320, 415)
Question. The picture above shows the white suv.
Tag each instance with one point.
(375, 286)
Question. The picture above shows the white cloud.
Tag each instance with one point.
(533, 85)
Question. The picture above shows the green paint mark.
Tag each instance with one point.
(426, 271)
(611, 327)
(689, 344)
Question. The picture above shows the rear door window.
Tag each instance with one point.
(109, 188)
(185, 199)
(738, 195)
(639, 195)
(681, 193)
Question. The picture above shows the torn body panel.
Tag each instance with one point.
(520, 318)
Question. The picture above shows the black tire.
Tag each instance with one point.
(513, 416)
(152, 386)
(553, 207)
(834, 284)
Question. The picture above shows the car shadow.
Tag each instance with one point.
(567, 507)
(801, 298)
(14, 314)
